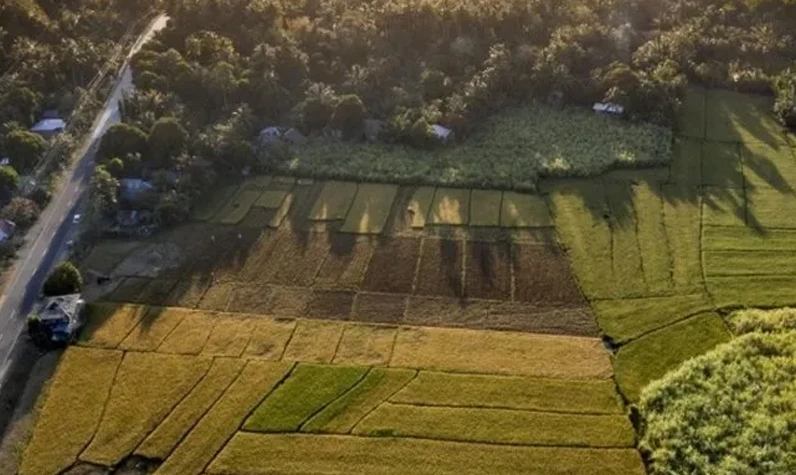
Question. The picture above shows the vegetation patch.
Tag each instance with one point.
(420, 205)
(431, 388)
(146, 388)
(488, 273)
(314, 341)
(734, 262)
(451, 206)
(346, 263)
(499, 426)
(331, 304)
(249, 453)
(721, 164)
(191, 334)
(682, 219)
(748, 239)
(74, 405)
(766, 291)
(769, 164)
(736, 117)
(365, 345)
(230, 336)
(492, 352)
(370, 210)
(521, 210)
(771, 208)
(334, 201)
(485, 207)
(309, 389)
(269, 337)
(155, 325)
(542, 276)
(652, 356)
(379, 308)
(343, 413)
(271, 199)
(399, 255)
(440, 270)
(108, 324)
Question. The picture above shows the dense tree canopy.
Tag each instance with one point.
(64, 279)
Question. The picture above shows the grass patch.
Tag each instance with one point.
(108, 324)
(263, 453)
(365, 345)
(511, 392)
(771, 208)
(627, 267)
(212, 204)
(748, 239)
(509, 151)
(519, 210)
(160, 443)
(721, 164)
(271, 199)
(420, 205)
(732, 262)
(499, 426)
(451, 206)
(686, 168)
(682, 220)
(770, 165)
(146, 389)
(752, 291)
(392, 267)
(738, 117)
(651, 233)
(314, 341)
(343, 414)
(269, 338)
(485, 207)
(542, 276)
(724, 207)
(237, 208)
(624, 320)
(308, 389)
(230, 336)
(691, 117)
(73, 405)
(440, 270)
(191, 334)
(156, 324)
(652, 356)
(488, 274)
(213, 431)
(334, 201)
(458, 350)
(370, 210)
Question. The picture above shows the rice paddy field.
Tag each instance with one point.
(297, 326)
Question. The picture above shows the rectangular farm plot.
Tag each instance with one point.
(296, 258)
(74, 406)
(488, 273)
(651, 231)
(343, 413)
(626, 258)
(308, 389)
(445, 311)
(345, 266)
(753, 291)
(379, 308)
(155, 325)
(282, 212)
(552, 319)
(146, 388)
(510, 353)
(440, 271)
(769, 165)
(686, 167)
(722, 165)
(271, 199)
(215, 428)
(542, 275)
(750, 239)
(431, 388)
(330, 304)
(520, 210)
(365, 345)
(314, 341)
(260, 453)
(420, 205)
(734, 116)
(682, 221)
(108, 324)
(160, 443)
(451, 206)
(499, 426)
(212, 204)
(485, 207)
(724, 207)
(771, 208)
(334, 201)
(392, 267)
(730, 262)
(370, 210)
(691, 119)
(237, 207)
(230, 336)
(190, 336)
(269, 338)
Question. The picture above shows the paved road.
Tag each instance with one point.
(46, 240)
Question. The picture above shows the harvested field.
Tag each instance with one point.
(334, 201)
(485, 207)
(187, 292)
(81, 385)
(217, 296)
(332, 304)
(308, 389)
(146, 388)
(259, 454)
(399, 255)
(440, 271)
(250, 299)
(379, 308)
(191, 335)
(555, 320)
(365, 345)
(370, 209)
(442, 311)
(488, 273)
(500, 353)
(451, 206)
(296, 258)
(289, 302)
(160, 443)
(344, 412)
(431, 388)
(542, 276)
(346, 263)
(314, 341)
(420, 206)
(519, 210)
(498, 426)
(269, 337)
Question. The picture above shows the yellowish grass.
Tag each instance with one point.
(365, 345)
(451, 206)
(217, 296)
(261, 454)
(420, 204)
(237, 208)
(485, 207)
(108, 324)
(146, 389)
(282, 212)
(210, 434)
(520, 210)
(72, 409)
(342, 415)
(160, 443)
(191, 334)
(314, 341)
(494, 352)
(334, 201)
(154, 327)
(271, 199)
(499, 426)
(230, 336)
(269, 338)
(370, 209)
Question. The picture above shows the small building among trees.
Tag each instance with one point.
(57, 320)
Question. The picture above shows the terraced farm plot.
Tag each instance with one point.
(488, 272)
(334, 201)
(451, 206)
(420, 205)
(366, 345)
(440, 268)
(485, 207)
(314, 340)
(400, 256)
(269, 337)
(237, 207)
(542, 276)
(736, 117)
(212, 204)
(722, 165)
(370, 209)
(520, 210)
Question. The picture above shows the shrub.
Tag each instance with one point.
(9, 179)
(120, 140)
(24, 148)
(166, 140)
(349, 115)
(21, 211)
(64, 279)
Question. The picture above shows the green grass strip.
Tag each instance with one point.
(735, 238)
(485, 207)
(334, 201)
(201, 444)
(420, 205)
(370, 210)
(686, 168)
(650, 357)
(521, 210)
(626, 319)
(308, 389)
(271, 199)
(498, 426)
(282, 212)
(509, 392)
(682, 220)
(734, 116)
(719, 263)
(721, 164)
(651, 231)
(451, 206)
(752, 291)
(770, 165)
(341, 415)
(160, 443)
(626, 253)
(691, 117)
(72, 409)
(724, 207)
(311, 454)
(771, 208)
